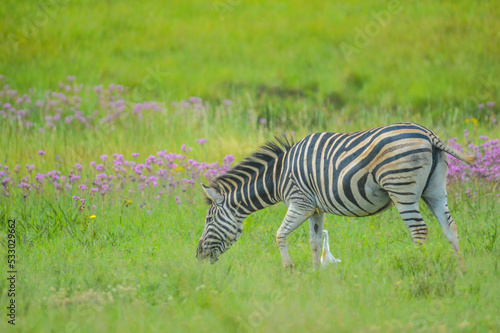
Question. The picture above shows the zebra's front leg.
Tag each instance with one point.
(294, 217)
(316, 222)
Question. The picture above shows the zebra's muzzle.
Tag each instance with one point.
(200, 255)
(214, 257)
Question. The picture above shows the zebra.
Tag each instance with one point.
(347, 174)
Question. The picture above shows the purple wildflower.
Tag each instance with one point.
(201, 141)
(228, 160)
(186, 149)
(137, 108)
(195, 100)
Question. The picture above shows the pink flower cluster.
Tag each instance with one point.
(77, 106)
(63, 107)
(486, 169)
(162, 174)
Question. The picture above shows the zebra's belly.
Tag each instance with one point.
(370, 200)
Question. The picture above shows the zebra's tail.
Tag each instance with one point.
(469, 159)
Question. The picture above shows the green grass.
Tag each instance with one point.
(421, 55)
(128, 270)
(141, 274)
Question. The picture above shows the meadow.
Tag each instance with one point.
(112, 114)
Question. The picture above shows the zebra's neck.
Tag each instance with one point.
(253, 184)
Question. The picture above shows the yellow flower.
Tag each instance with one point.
(474, 121)
(92, 216)
(129, 202)
(466, 121)
(179, 168)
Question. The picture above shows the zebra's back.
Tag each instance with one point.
(354, 174)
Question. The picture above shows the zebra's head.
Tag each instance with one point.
(222, 228)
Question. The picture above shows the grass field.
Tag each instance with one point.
(343, 54)
(103, 183)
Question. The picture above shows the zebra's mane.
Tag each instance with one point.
(269, 152)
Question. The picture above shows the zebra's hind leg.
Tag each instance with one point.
(439, 207)
(410, 213)
(316, 222)
(435, 197)
(294, 217)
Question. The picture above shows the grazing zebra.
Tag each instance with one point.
(347, 174)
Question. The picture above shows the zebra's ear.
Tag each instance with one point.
(213, 195)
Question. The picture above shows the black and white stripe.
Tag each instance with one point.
(347, 174)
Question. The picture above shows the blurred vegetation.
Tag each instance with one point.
(349, 54)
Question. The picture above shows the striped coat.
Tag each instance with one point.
(347, 174)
